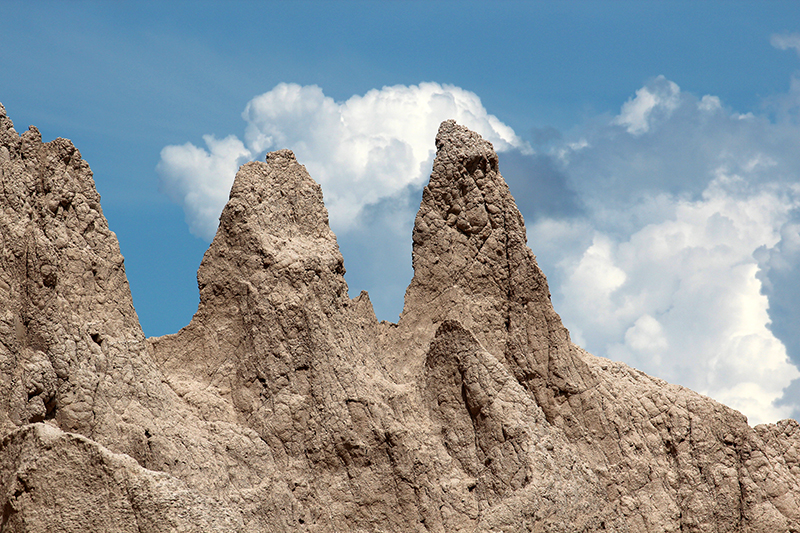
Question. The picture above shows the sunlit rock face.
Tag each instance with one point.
(286, 406)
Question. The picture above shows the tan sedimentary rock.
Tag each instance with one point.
(285, 406)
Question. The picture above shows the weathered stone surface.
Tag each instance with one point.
(55, 481)
(285, 406)
(72, 353)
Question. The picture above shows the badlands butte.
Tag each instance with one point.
(286, 406)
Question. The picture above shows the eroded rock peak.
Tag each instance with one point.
(285, 406)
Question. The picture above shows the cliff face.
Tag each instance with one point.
(285, 406)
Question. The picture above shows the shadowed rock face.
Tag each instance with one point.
(285, 406)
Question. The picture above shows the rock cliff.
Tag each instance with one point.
(286, 406)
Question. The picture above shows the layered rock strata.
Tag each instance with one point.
(286, 406)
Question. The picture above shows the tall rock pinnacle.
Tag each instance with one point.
(472, 264)
(285, 406)
(468, 237)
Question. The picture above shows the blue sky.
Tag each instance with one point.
(652, 148)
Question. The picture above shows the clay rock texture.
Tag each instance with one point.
(286, 406)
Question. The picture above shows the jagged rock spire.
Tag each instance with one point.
(472, 264)
(275, 224)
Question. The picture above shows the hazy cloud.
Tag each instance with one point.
(779, 266)
(539, 185)
(786, 41)
(680, 299)
(544, 135)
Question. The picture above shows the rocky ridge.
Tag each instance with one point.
(286, 406)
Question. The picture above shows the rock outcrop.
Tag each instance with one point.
(286, 406)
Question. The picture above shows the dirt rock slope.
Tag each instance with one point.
(286, 406)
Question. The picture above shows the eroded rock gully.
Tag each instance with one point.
(286, 406)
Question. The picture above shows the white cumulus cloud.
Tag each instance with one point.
(664, 269)
(362, 151)
(201, 178)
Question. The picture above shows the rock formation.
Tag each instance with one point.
(286, 406)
